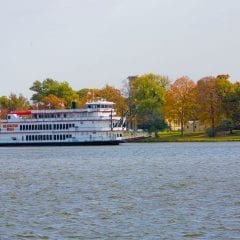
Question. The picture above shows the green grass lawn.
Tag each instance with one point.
(194, 137)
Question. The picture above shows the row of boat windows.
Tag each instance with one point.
(99, 106)
(47, 137)
(49, 115)
(59, 115)
(61, 126)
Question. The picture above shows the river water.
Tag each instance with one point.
(130, 191)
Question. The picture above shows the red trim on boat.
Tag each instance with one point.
(26, 112)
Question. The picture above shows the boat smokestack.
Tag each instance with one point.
(74, 105)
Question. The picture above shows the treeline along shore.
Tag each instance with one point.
(180, 110)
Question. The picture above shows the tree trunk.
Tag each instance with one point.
(182, 125)
(213, 120)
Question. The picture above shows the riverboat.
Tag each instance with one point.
(95, 124)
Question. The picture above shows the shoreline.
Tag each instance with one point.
(193, 137)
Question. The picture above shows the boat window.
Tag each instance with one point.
(20, 127)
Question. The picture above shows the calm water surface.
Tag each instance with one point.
(131, 191)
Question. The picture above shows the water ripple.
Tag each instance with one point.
(131, 191)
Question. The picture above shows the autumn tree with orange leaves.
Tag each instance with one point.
(210, 111)
(108, 93)
(180, 102)
(53, 102)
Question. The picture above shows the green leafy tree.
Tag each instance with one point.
(147, 98)
(49, 86)
(12, 103)
(231, 105)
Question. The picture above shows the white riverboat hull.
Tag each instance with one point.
(42, 144)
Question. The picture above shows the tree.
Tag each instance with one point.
(147, 99)
(114, 95)
(86, 95)
(180, 102)
(108, 93)
(18, 102)
(49, 86)
(4, 107)
(12, 103)
(231, 104)
(209, 111)
(53, 102)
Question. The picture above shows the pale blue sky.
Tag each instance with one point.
(91, 43)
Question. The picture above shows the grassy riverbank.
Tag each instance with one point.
(194, 137)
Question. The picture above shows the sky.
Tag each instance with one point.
(91, 43)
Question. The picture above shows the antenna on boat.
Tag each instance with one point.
(93, 95)
(111, 116)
